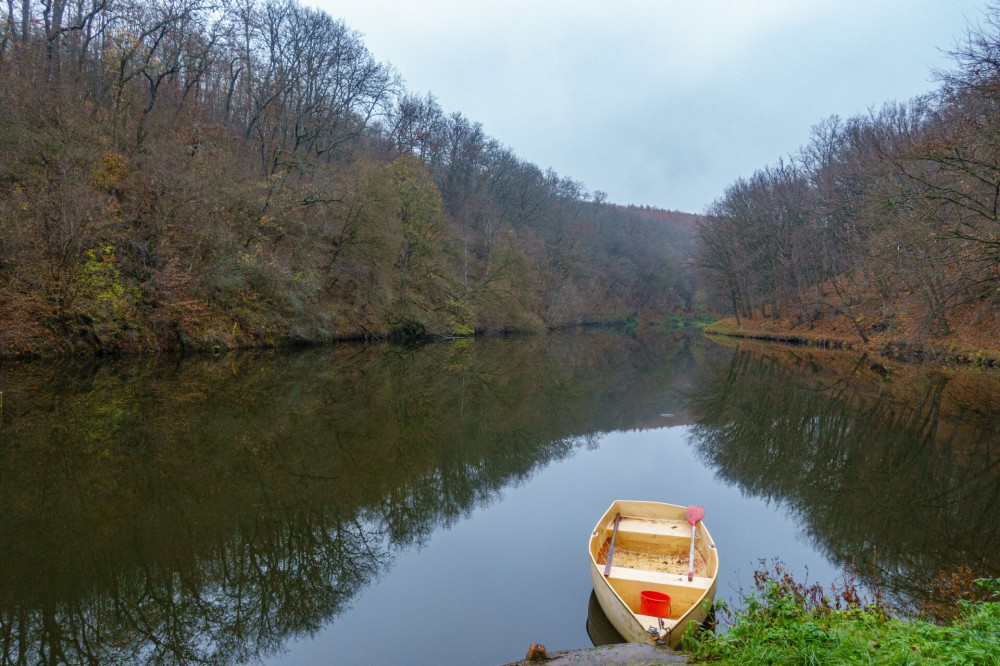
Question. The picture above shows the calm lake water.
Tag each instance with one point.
(431, 505)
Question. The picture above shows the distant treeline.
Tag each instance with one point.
(888, 219)
(181, 174)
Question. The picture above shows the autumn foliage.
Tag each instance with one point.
(175, 175)
(885, 226)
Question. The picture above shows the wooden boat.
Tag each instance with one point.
(651, 553)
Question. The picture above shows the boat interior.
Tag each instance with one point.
(652, 554)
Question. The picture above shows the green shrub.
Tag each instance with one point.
(785, 622)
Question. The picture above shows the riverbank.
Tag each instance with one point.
(787, 622)
(25, 337)
(965, 344)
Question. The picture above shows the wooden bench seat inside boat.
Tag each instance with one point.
(680, 580)
(660, 526)
(669, 537)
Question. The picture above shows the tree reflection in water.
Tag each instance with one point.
(895, 473)
(186, 510)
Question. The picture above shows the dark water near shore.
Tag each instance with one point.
(382, 505)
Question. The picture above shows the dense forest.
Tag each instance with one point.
(177, 174)
(885, 226)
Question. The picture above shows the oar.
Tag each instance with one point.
(611, 548)
(694, 516)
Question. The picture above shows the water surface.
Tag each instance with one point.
(387, 505)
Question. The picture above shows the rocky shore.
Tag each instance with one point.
(621, 654)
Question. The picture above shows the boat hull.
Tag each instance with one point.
(652, 532)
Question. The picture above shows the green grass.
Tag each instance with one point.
(788, 623)
(675, 322)
(721, 327)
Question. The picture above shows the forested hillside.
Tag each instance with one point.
(175, 174)
(886, 225)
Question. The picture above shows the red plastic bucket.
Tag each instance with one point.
(654, 603)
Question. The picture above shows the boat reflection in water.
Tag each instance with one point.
(599, 627)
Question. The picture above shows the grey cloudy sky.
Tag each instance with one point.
(660, 102)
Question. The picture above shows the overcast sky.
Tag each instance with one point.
(660, 102)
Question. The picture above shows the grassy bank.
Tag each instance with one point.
(961, 345)
(786, 622)
(686, 322)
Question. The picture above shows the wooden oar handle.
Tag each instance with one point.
(611, 548)
(691, 556)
